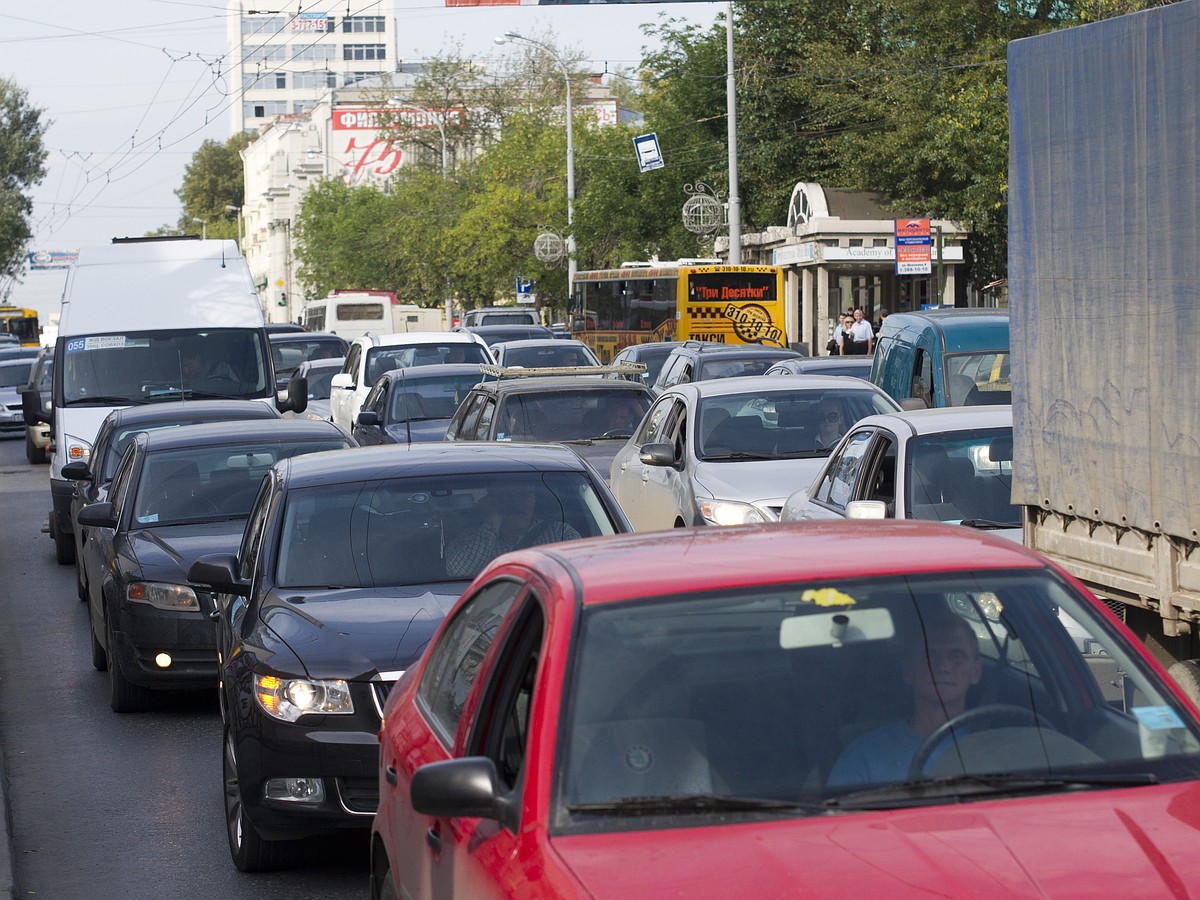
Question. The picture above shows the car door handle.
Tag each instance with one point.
(215, 615)
(390, 774)
(645, 475)
(433, 839)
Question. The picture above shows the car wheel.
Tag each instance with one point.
(386, 888)
(64, 544)
(249, 851)
(1186, 673)
(123, 695)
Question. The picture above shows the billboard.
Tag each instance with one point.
(52, 259)
(913, 247)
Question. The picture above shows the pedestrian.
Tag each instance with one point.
(883, 314)
(862, 336)
(834, 345)
(844, 335)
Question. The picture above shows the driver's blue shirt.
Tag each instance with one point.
(881, 756)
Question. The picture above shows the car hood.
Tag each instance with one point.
(354, 632)
(762, 482)
(1138, 841)
(166, 553)
(599, 453)
(422, 431)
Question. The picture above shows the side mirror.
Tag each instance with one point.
(793, 507)
(342, 380)
(465, 787)
(219, 572)
(97, 515)
(368, 418)
(866, 509)
(296, 398)
(77, 471)
(657, 454)
(31, 409)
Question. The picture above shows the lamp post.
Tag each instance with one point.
(203, 227)
(400, 101)
(571, 264)
(238, 210)
(314, 152)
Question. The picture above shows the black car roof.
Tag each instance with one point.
(297, 337)
(218, 433)
(710, 349)
(552, 383)
(193, 410)
(429, 373)
(405, 460)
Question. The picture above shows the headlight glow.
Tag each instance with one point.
(287, 699)
(731, 512)
(176, 597)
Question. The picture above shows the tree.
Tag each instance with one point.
(212, 182)
(22, 167)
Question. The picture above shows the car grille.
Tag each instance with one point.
(381, 686)
(359, 796)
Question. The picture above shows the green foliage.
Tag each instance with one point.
(212, 182)
(22, 166)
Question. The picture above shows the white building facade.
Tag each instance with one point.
(283, 62)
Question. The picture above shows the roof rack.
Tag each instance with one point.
(625, 368)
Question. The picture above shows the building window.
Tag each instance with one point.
(264, 53)
(362, 25)
(271, 81)
(353, 77)
(301, 106)
(261, 109)
(319, 52)
(314, 80)
(364, 51)
(263, 25)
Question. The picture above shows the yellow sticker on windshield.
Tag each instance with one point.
(827, 597)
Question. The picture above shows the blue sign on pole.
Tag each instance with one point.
(649, 154)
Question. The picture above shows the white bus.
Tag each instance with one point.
(352, 314)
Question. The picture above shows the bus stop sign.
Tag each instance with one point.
(649, 155)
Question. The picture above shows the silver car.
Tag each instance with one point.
(728, 451)
(942, 465)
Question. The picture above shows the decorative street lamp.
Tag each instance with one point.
(571, 262)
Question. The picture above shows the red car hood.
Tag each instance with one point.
(1118, 843)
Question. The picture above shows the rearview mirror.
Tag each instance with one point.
(657, 454)
(219, 572)
(467, 786)
(97, 515)
(368, 418)
(342, 380)
(866, 509)
(77, 471)
(296, 397)
(32, 411)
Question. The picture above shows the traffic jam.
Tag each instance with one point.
(583, 629)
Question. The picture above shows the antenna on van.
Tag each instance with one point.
(222, 254)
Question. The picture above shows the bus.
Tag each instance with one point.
(699, 300)
(23, 323)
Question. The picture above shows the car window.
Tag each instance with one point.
(654, 425)
(374, 399)
(122, 478)
(880, 482)
(570, 415)
(430, 398)
(430, 529)
(385, 359)
(350, 366)
(503, 737)
(252, 536)
(1042, 687)
(483, 426)
(455, 659)
(841, 476)
(962, 475)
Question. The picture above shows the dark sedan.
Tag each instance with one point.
(595, 416)
(412, 405)
(346, 568)
(93, 476)
(177, 494)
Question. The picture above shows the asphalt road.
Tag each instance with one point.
(105, 805)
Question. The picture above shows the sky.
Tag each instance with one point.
(131, 90)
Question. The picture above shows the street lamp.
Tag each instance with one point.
(571, 264)
(203, 227)
(238, 210)
(400, 101)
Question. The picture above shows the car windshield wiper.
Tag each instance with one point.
(693, 803)
(738, 455)
(988, 523)
(212, 395)
(102, 398)
(914, 793)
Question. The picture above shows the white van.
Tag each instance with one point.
(146, 320)
(352, 314)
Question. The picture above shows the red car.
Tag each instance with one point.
(839, 709)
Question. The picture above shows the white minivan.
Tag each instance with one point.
(146, 320)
